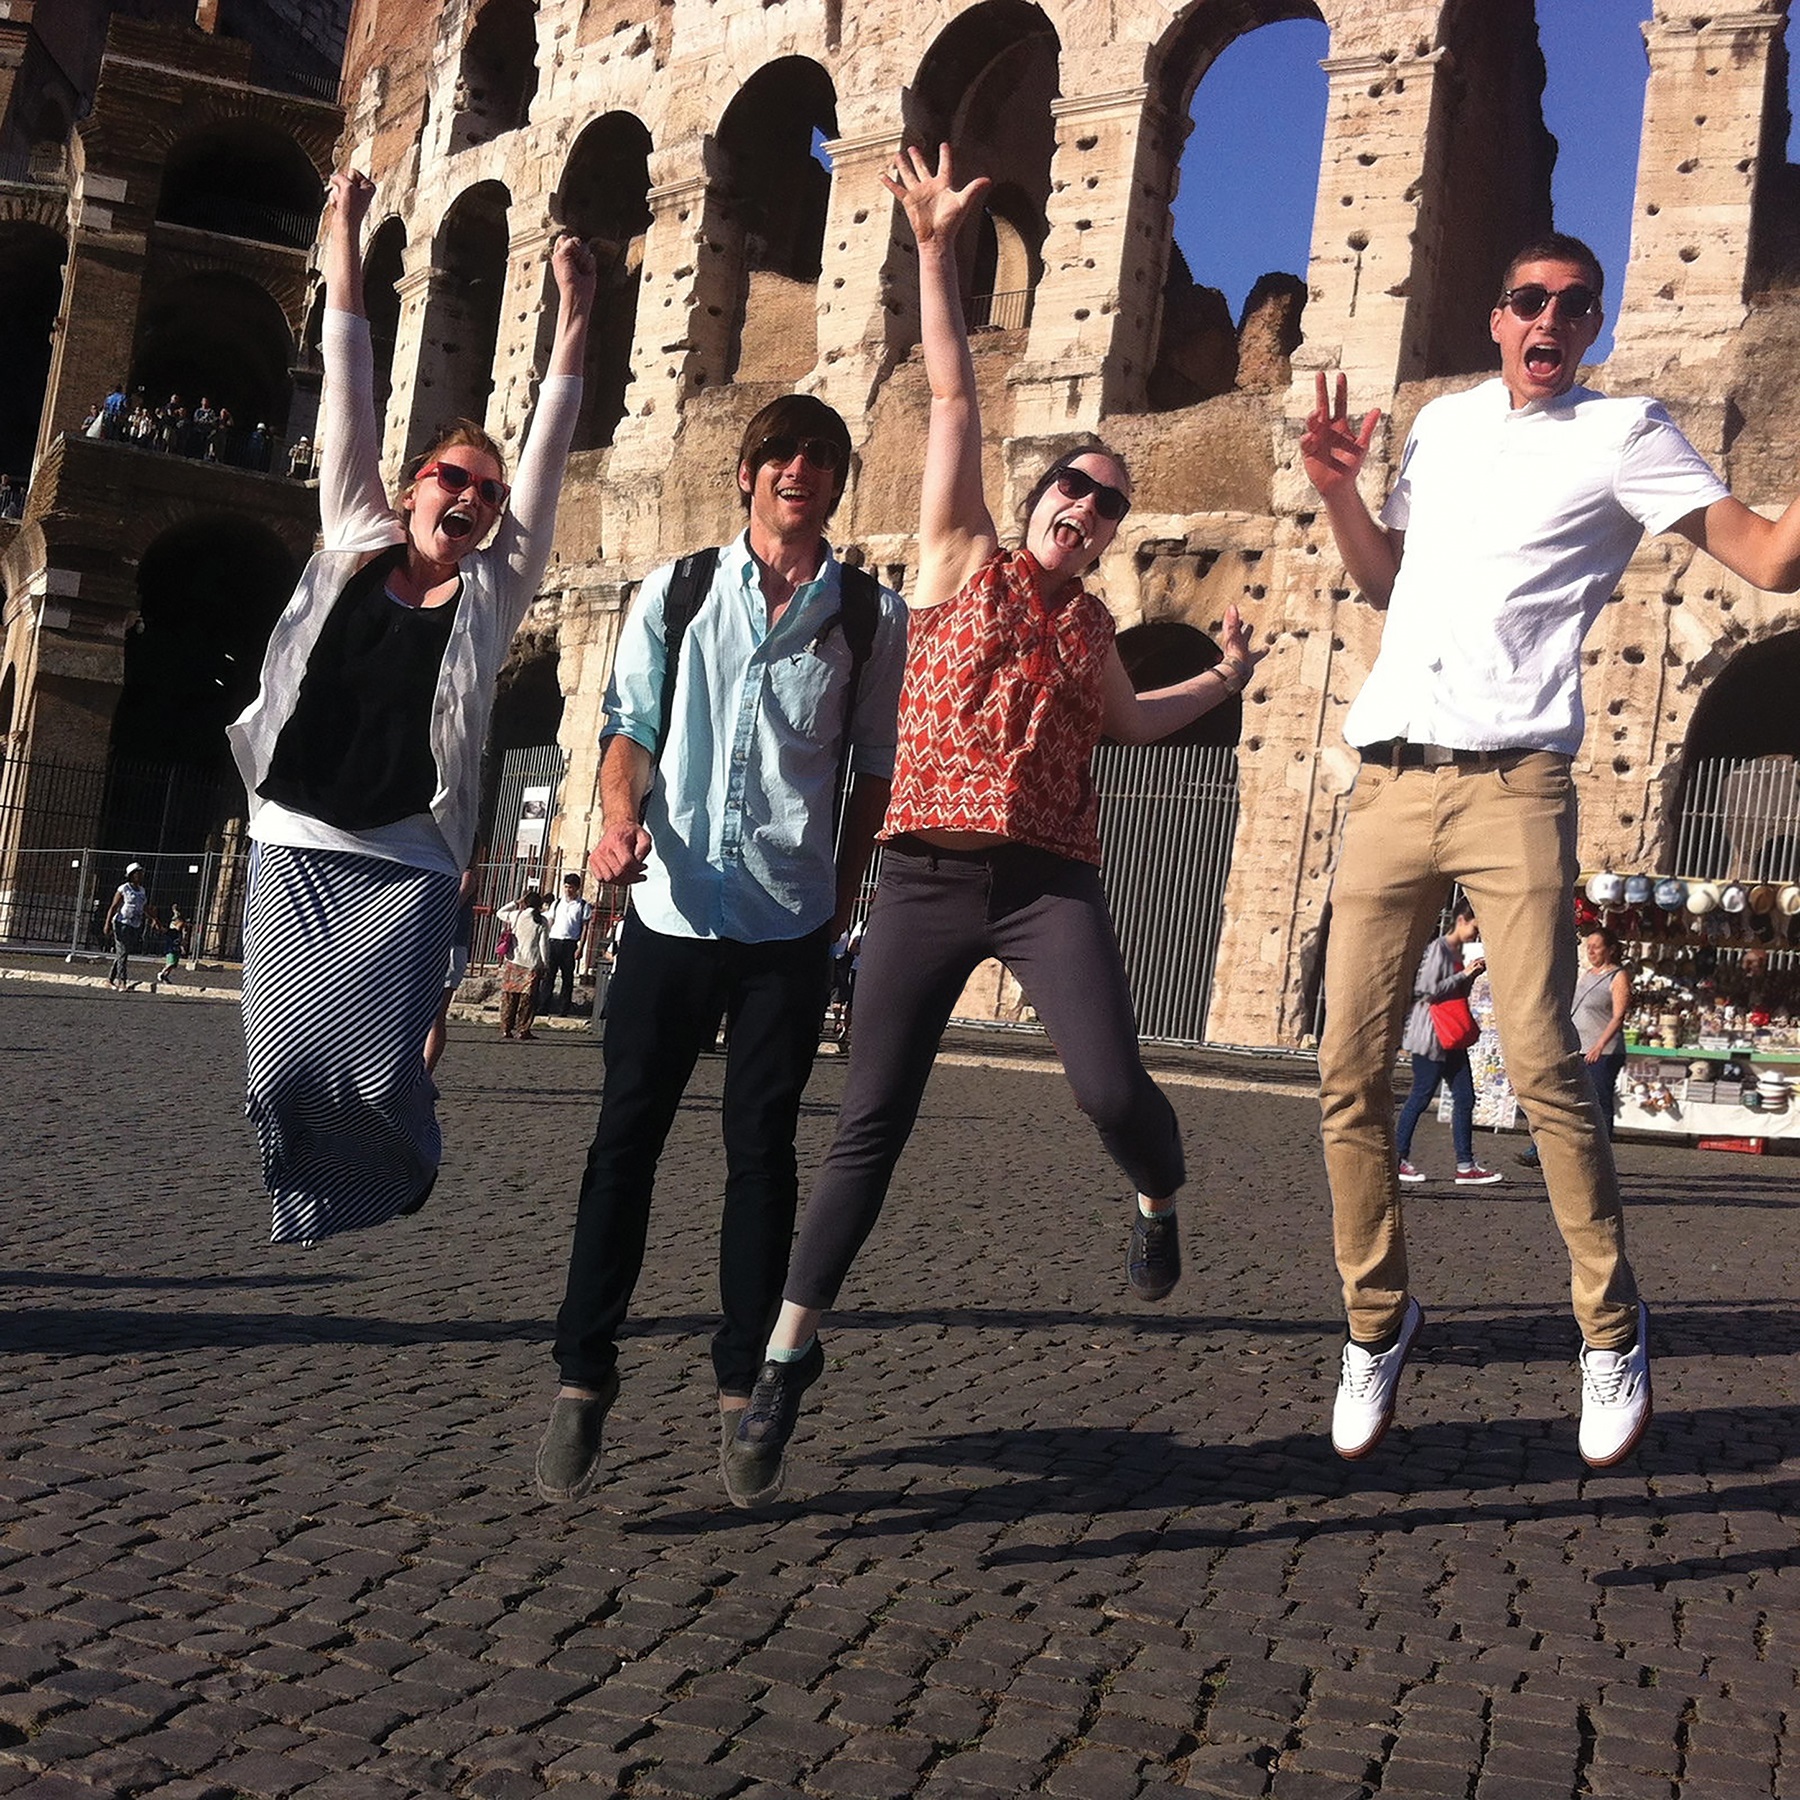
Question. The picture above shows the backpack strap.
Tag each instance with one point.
(687, 589)
(861, 615)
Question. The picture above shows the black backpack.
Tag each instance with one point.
(859, 617)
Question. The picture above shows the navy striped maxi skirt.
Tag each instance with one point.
(344, 960)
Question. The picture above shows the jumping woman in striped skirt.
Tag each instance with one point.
(362, 757)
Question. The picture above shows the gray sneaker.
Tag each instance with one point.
(752, 1455)
(568, 1460)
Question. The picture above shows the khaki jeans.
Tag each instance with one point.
(1507, 834)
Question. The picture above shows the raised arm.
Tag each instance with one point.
(956, 530)
(353, 507)
(1132, 718)
(523, 541)
(1333, 453)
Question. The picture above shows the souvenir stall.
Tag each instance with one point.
(1713, 1035)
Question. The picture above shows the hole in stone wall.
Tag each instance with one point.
(462, 313)
(31, 279)
(1167, 651)
(498, 77)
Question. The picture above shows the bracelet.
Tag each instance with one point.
(1238, 675)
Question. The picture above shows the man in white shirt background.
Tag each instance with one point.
(1516, 507)
(568, 922)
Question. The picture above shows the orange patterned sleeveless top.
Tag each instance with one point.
(1000, 712)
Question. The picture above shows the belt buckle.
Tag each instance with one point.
(1436, 756)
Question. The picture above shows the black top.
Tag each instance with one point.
(356, 752)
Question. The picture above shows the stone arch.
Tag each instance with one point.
(31, 282)
(1748, 708)
(1477, 206)
(383, 268)
(498, 76)
(209, 589)
(772, 193)
(1165, 651)
(462, 312)
(528, 700)
(242, 179)
(604, 197)
(985, 87)
(1196, 343)
(219, 335)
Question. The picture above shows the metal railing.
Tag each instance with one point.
(225, 215)
(1740, 820)
(1000, 312)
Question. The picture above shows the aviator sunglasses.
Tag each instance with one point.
(453, 478)
(1574, 302)
(821, 453)
(1077, 484)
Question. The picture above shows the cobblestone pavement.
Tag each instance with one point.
(267, 1526)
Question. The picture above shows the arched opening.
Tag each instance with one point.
(31, 277)
(1480, 204)
(1241, 214)
(498, 77)
(1166, 651)
(1740, 793)
(462, 318)
(219, 337)
(243, 180)
(528, 701)
(605, 199)
(773, 192)
(382, 269)
(9, 700)
(985, 87)
(208, 591)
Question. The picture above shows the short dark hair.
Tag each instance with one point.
(571, 876)
(1606, 934)
(1091, 446)
(800, 416)
(1556, 246)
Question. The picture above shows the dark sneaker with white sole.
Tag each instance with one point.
(1153, 1262)
(568, 1460)
(752, 1458)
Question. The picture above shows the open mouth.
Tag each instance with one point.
(1544, 361)
(456, 526)
(1068, 534)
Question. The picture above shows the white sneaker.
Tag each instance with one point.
(1615, 1398)
(1365, 1397)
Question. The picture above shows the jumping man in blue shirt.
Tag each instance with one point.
(717, 792)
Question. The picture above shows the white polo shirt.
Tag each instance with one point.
(1519, 523)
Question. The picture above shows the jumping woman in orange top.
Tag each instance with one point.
(992, 842)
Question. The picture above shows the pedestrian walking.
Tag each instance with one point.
(362, 756)
(746, 680)
(1442, 986)
(126, 919)
(568, 922)
(173, 946)
(992, 839)
(1516, 507)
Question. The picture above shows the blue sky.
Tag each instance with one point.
(1250, 170)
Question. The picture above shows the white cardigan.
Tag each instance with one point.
(356, 522)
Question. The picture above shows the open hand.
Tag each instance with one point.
(1235, 642)
(935, 206)
(1330, 450)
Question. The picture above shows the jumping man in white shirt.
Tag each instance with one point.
(1516, 508)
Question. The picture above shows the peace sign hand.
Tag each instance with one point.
(1331, 452)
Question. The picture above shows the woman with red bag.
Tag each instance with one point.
(1439, 1033)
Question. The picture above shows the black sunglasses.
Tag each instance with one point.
(1077, 484)
(453, 478)
(1574, 302)
(821, 453)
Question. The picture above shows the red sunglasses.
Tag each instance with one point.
(453, 478)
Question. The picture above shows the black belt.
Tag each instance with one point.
(1397, 753)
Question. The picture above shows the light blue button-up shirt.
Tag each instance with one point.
(740, 815)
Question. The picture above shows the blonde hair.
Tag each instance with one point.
(459, 434)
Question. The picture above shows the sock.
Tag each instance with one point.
(1379, 1346)
(790, 1356)
(1163, 1212)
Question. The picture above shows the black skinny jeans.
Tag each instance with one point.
(663, 1008)
(937, 915)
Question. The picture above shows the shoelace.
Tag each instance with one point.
(1360, 1371)
(1605, 1382)
(765, 1407)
